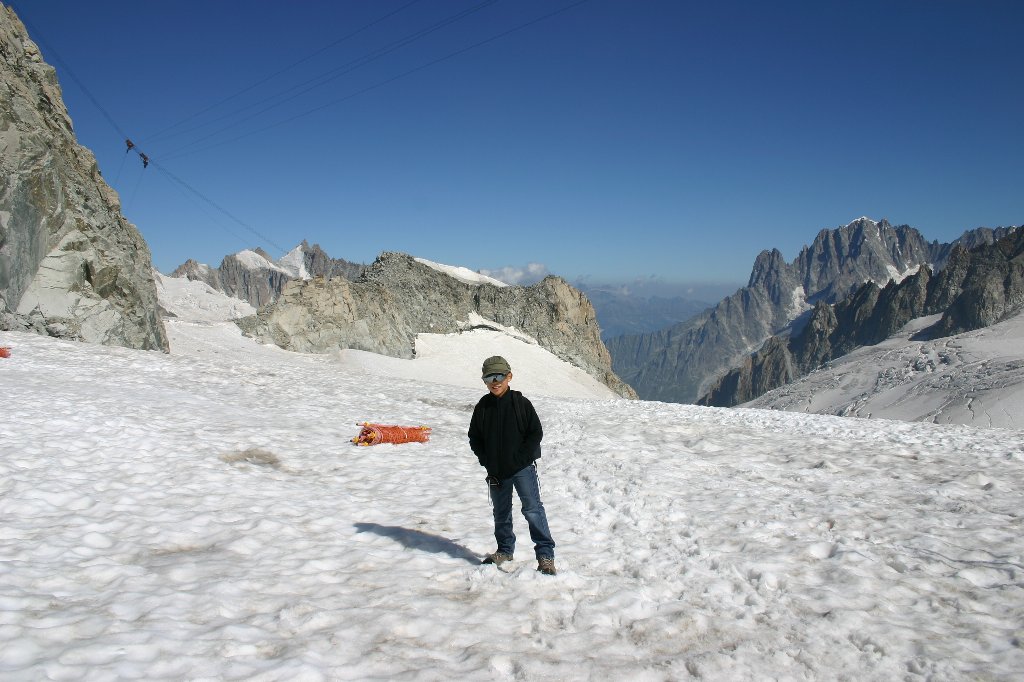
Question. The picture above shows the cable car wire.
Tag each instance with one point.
(182, 184)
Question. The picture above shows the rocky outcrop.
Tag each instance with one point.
(769, 367)
(71, 266)
(398, 297)
(968, 241)
(990, 290)
(254, 276)
(977, 288)
(318, 264)
(199, 272)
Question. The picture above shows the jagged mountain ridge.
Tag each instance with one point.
(71, 265)
(977, 288)
(398, 297)
(679, 364)
(254, 276)
(381, 307)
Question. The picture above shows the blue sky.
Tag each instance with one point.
(613, 141)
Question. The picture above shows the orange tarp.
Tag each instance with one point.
(372, 434)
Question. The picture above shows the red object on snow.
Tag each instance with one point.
(372, 434)
(5, 352)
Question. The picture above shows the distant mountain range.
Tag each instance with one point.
(977, 288)
(309, 302)
(254, 276)
(849, 288)
(72, 267)
(620, 313)
(683, 362)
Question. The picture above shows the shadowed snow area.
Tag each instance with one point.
(203, 515)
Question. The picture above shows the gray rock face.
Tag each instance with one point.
(398, 297)
(680, 364)
(258, 286)
(977, 288)
(841, 260)
(769, 367)
(318, 263)
(990, 290)
(867, 316)
(969, 240)
(71, 266)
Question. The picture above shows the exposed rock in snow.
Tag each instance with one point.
(399, 297)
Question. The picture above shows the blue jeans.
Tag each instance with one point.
(527, 486)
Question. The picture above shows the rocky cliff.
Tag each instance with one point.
(679, 364)
(318, 263)
(977, 288)
(985, 284)
(398, 297)
(71, 266)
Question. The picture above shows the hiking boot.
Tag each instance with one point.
(498, 558)
(546, 565)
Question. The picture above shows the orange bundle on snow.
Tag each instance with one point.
(372, 434)
(5, 352)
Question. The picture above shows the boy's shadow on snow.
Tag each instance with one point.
(414, 539)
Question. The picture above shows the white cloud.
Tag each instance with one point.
(523, 275)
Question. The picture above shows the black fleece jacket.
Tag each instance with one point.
(495, 435)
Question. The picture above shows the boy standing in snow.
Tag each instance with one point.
(505, 435)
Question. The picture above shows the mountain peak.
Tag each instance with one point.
(768, 265)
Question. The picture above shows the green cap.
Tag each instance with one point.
(496, 365)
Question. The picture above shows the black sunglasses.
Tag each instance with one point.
(494, 378)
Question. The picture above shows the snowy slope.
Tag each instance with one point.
(294, 263)
(194, 301)
(462, 274)
(202, 515)
(975, 378)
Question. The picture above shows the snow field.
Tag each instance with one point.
(203, 515)
(974, 378)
